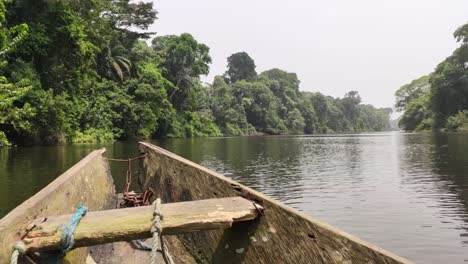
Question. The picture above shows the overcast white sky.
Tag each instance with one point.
(372, 46)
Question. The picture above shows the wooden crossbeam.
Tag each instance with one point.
(135, 223)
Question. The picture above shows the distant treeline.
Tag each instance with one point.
(439, 101)
(81, 71)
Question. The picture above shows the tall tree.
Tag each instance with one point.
(350, 108)
(449, 82)
(182, 59)
(260, 106)
(411, 91)
(417, 115)
(285, 86)
(319, 101)
(240, 67)
(127, 14)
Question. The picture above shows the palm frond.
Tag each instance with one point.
(118, 70)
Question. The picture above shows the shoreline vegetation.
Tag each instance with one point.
(438, 101)
(81, 71)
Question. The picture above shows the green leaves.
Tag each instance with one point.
(411, 91)
(140, 15)
(437, 101)
(10, 38)
(183, 60)
(449, 82)
(9, 43)
(240, 67)
(458, 122)
(13, 110)
(121, 65)
(80, 72)
(461, 34)
(416, 112)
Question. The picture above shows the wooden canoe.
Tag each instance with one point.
(89, 182)
(280, 235)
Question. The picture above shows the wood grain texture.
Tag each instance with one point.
(89, 182)
(281, 235)
(128, 224)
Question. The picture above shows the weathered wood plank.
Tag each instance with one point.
(135, 223)
(88, 182)
(282, 235)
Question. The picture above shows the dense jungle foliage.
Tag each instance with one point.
(439, 101)
(86, 71)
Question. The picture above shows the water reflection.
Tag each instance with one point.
(405, 192)
(26, 170)
(270, 165)
(433, 176)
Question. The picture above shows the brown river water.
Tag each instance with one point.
(407, 193)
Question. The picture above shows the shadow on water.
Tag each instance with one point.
(433, 171)
(26, 170)
(437, 165)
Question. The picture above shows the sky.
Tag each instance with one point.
(334, 46)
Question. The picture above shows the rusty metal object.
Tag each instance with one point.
(130, 197)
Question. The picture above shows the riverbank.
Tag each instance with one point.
(90, 139)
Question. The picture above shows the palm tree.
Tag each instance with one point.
(121, 66)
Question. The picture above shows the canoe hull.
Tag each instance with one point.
(89, 183)
(281, 235)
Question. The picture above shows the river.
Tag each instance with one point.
(407, 193)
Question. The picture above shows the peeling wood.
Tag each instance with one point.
(135, 223)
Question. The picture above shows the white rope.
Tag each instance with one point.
(156, 231)
(18, 249)
(167, 256)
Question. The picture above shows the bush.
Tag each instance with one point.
(197, 124)
(93, 135)
(425, 125)
(3, 140)
(458, 122)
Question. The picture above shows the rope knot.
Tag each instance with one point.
(67, 236)
(157, 217)
(20, 247)
(156, 228)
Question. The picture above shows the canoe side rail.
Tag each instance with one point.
(107, 226)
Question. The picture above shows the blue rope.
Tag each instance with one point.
(67, 236)
(67, 240)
